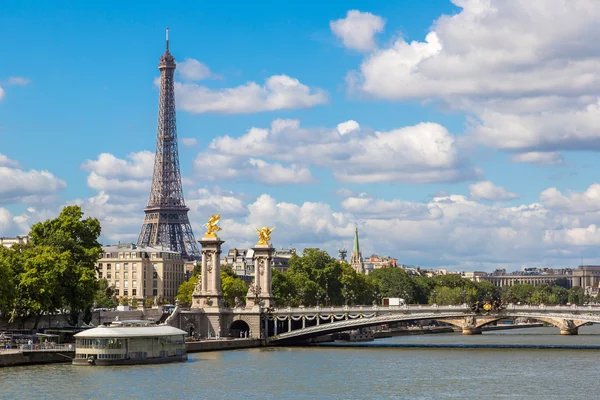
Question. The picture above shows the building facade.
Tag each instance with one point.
(142, 272)
(242, 261)
(10, 241)
(587, 276)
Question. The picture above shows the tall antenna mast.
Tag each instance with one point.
(167, 39)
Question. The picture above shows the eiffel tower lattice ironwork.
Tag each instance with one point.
(166, 222)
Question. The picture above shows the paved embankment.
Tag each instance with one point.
(12, 358)
(223, 344)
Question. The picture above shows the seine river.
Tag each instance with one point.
(375, 370)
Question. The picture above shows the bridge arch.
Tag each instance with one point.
(239, 328)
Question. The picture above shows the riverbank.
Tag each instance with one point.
(223, 344)
(13, 358)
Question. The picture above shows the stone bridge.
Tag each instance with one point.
(304, 323)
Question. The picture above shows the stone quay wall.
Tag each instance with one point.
(14, 358)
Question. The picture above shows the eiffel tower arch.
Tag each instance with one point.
(166, 223)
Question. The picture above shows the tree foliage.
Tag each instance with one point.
(56, 270)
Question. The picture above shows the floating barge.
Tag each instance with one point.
(129, 343)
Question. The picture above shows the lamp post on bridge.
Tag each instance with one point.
(326, 294)
(345, 290)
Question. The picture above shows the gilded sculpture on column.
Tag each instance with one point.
(264, 235)
(211, 226)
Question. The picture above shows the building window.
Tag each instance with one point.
(134, 267)
(153, 256)
(125, 292)
(108, 275)
(155, 275)
(154, 292)
(117, 283)
(125, 284)
(99, 274)
(108, 267)
(100, 265)
(154, 283)
(116, 292)
(133, 284)
(126, 255)
(134, 292)
(117, 267)
(133, 275)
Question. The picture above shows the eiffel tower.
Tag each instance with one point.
(166, 222)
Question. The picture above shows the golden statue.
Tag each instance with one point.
(211, 226)
(264, 235)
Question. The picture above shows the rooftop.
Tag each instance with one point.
(144, 330)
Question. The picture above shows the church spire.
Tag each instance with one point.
(356, 260)
(356, 247)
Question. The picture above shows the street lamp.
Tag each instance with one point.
(345, 295)
(326, 294)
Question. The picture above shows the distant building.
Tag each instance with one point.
(587, 276)
(378, 262)
(532, 276)
(281, 259)
(10, 241)
(142, 272)
(356, 260)
(242, 261)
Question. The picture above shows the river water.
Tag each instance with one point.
(374, 370)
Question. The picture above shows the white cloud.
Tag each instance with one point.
(280, 92)
(358, 29)
(107, 165)
(7, 162)
(13, 81)
(347, 127)
(539, 158)
(19, 186)
(529, 86)
(487, 190)
(123, 187)
(193, 70)
(423, 153)
(243, 169)
(189, 142)
(18, 80)
(573, 202)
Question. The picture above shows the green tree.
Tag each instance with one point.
(7, 283)
(232, 286)
(75, 239)
(395, 282)
(104, 297)
(576, 295)
(559, 295)
(518, 293)
(185, 291)
(541, 294)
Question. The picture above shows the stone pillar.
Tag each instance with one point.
(259, 293)
(208, 295)
(471, 331)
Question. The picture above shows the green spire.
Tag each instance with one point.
(356, 248)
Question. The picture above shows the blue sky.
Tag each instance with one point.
(476, 122)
